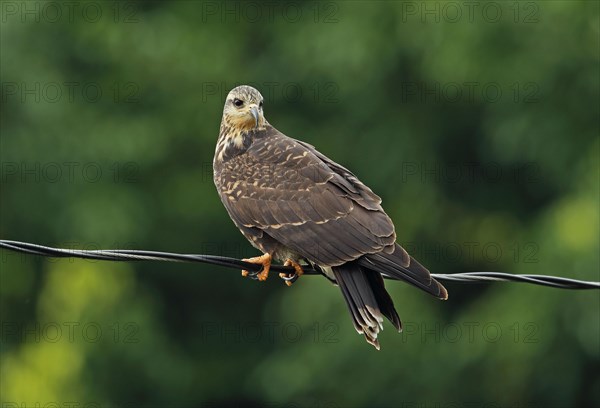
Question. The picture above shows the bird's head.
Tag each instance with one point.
(244, 108)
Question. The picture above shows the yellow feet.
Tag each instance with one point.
(265, 261)
(289, 279)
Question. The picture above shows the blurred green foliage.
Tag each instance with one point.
(479, 130)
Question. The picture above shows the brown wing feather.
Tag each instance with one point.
(305, 201)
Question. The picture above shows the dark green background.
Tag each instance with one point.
(477, 125)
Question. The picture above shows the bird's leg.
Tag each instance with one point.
(289, 279)
(265, 261)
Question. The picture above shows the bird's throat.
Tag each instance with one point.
(232, 142)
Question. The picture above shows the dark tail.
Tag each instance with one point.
(361, 282)
(367, 299)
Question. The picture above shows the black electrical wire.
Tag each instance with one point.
(124, 255)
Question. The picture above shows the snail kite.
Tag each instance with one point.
(296, 205)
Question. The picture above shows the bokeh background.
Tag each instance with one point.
(476, 122)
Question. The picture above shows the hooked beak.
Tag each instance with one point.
(255, 115)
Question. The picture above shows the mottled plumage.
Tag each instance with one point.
(292, 202)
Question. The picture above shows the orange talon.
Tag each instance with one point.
(265, 261)
(297, 267)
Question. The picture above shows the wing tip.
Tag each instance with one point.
(443, 291)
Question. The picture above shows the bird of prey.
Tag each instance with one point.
(297, 206)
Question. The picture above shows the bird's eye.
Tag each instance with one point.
(238, 102)
(260, 104)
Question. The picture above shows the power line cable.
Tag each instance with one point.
(124, 255)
